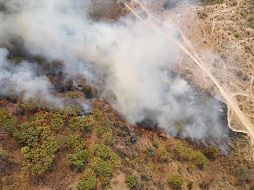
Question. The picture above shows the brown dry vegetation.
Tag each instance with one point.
(102, 137)
(46, 148)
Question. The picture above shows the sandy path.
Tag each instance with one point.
(225, 93)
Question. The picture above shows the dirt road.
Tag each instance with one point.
(225, 93)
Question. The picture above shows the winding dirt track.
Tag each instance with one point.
(189, 50)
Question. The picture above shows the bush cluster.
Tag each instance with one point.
(31, 106)
(39, 144)
(101, 163)
(73, 142)
(79, 123)
(102, 168)
(57, 121)
(78, 159)
(188, 154)
(88, 181)
(37, 160)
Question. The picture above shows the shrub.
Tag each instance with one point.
(3, 7)
(99, 131)
(163, 155)
(57, 121)
(7, 183)
(74, 142)
(251, 21)
(102, 168)
(31, 106)
(68, 111)
(39, 118)
(88, 180)
(101, 117)
(131, 181)
(39, 59)
(237, 35)
(190, 185)
(102, 151)
(16, 59)
(191, 168)
(78, 159)
(176, 181)
(104, 134)
(31, 136)
(244, 175)
(38, 160)
(188, 154)
(79, 123)
(74, 95)
(7, 121)
(88, 183)
(105, 153)
(199, 159)
(150, 151)
(211, 152)
(10, 126)
(206, 181)
(4, 155)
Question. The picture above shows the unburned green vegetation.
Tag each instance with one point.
(131, 181)
(176, 181)
(188, 154)
(61, 148)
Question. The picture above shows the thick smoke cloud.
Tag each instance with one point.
(124, 58)
(21, 80)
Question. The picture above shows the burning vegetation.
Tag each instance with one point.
(92, 98)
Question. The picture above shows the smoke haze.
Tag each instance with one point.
(124, 58)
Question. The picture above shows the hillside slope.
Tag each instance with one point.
(44, 147)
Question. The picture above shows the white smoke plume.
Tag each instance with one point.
(124, 57)
(21, 80)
